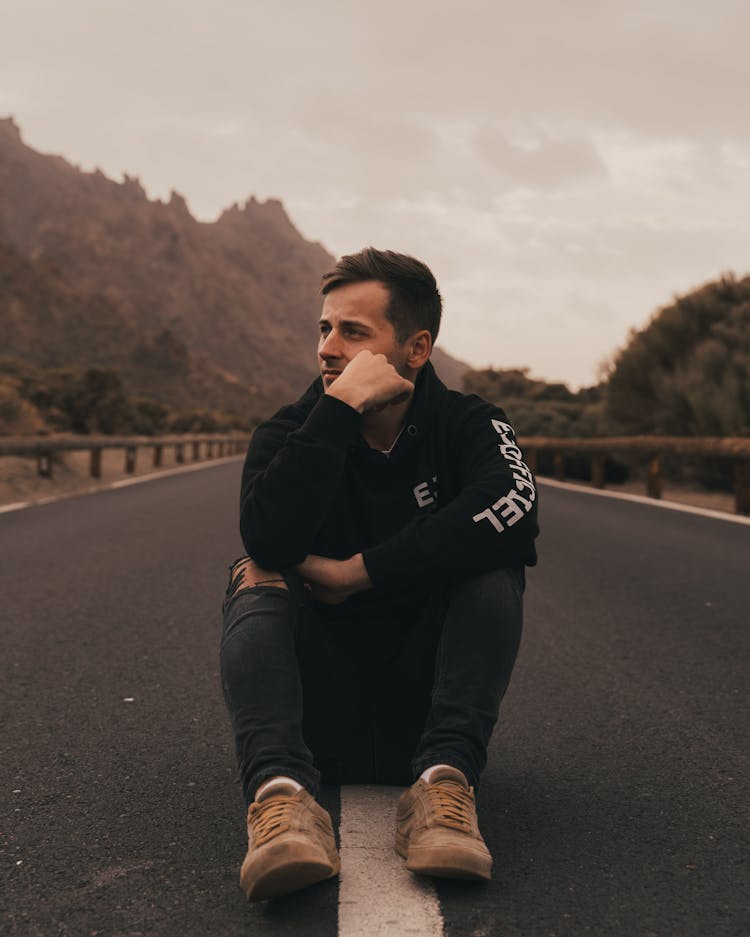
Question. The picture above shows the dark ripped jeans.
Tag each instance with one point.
(350, 701)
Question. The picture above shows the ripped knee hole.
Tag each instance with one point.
(246, 574)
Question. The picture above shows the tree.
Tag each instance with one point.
(688, 371)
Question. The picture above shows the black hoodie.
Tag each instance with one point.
(453, 497)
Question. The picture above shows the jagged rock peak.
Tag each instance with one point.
(270, 211)
(9, 127)
(271, 206)
(177, 203)
(132, 184)
(233, 211)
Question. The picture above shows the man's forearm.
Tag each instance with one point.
(356, 573)
(339, 576)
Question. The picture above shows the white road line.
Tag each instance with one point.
(378, 896)
(16, 506)
(643, 499)
(180, 470)
(122, 483)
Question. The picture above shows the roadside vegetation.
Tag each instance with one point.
(93, 401)
(687, 373)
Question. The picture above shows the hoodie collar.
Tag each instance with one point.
(427, 388)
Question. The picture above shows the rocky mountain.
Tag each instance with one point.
(94, 273)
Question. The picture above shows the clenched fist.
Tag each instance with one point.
(370, 382)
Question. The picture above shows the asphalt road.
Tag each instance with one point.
(615, 800)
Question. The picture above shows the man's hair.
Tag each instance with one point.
(415, 301)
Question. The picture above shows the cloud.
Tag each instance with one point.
(538, 162)
(564, 167)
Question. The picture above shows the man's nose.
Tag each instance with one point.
(329, 346)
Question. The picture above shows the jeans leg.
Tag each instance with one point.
(260, 677)
(478, 647)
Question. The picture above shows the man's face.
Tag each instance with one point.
(353, 319)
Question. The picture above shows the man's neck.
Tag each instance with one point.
(380, 429)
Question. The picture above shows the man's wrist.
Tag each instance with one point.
(351, 396)
(357, 577)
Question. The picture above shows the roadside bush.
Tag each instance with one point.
(536, 408)
(18, 416)
(10, 405)
(150, 418)
(200, 421)
(688, 372)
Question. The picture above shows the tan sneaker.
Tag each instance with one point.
(437, 831)
(290, 845)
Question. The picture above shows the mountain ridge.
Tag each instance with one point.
(94, 273)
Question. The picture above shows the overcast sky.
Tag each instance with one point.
(564, 167)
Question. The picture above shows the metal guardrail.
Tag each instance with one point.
(213, 445)
(203, 445)
(733, 448)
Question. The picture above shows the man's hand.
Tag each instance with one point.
(333, 581)
(370, 382)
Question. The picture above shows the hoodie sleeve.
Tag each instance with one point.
(292, 471)
(491, 522)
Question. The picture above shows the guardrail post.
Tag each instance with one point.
(158, 452)
(653, 477)
(95, 463)
(210, 449)
(221, 448)
(130, 452)
(196, 450)
(742, 486)
(44, 464)
(559, 466)
(179, 453)
(598, 470)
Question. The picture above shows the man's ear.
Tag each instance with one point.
(420, 348)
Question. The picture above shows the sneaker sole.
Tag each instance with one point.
(281, 873)
(444, 863)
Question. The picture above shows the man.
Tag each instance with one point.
(371, 631)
